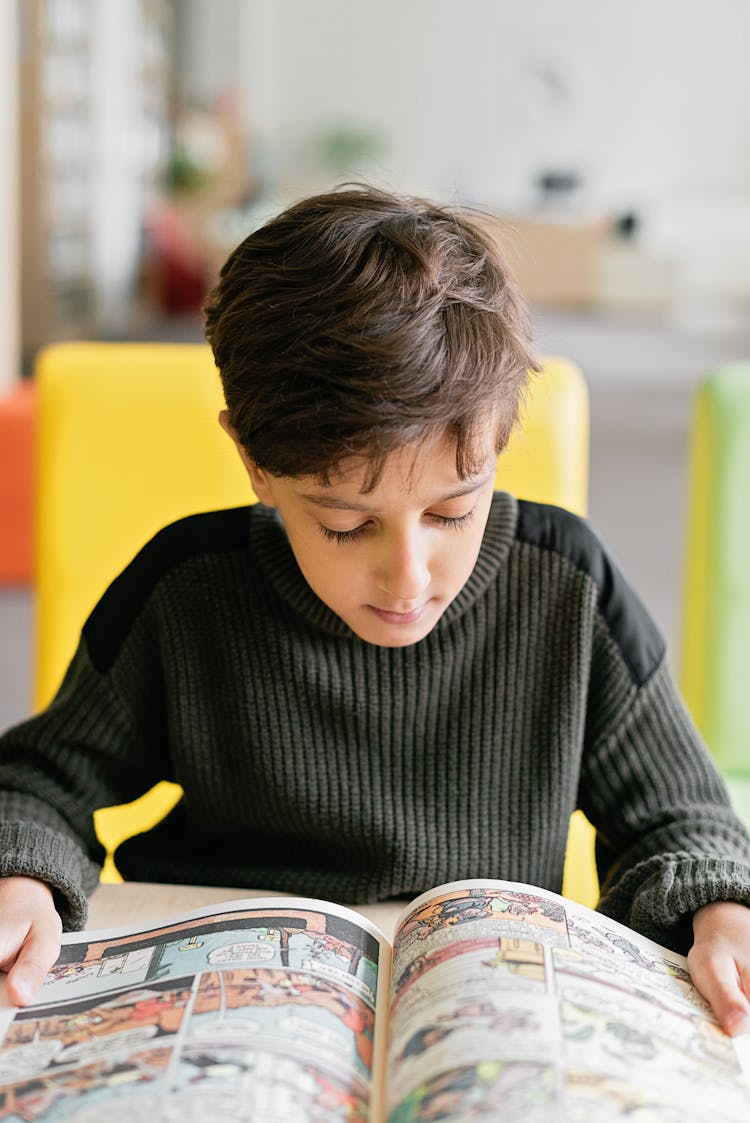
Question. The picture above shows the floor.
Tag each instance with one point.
(642, 376)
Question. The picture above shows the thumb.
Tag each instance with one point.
(718, 980)
(39, 951)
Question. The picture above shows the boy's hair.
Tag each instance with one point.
(357, 322)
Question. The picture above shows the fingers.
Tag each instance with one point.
(717, 978)
(744, 977)
(39, 951)
(30, 930)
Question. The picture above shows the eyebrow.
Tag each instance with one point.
(333, 504)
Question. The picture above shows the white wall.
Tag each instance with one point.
(208, 47)
(648, 100)
(656, 101)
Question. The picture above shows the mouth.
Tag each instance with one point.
(398, 617)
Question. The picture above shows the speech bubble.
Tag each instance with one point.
(241, 953)
(135, 1108)
(216, 1105)
(27, 1060)
(299, 1027)
(109, 1046)
(227, 1027)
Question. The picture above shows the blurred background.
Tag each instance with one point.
(608, 143)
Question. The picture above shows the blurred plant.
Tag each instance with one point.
(182, 173)
(200, 150)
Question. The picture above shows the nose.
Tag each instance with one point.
(402, 571)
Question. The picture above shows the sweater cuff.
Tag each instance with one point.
(27, 850)
(659, 896)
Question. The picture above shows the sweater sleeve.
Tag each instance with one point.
(97, 744)
(668, 840)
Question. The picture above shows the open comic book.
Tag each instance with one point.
(499, 1002)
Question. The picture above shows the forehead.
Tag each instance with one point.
(425, 469)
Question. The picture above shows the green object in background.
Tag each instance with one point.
(715, 673)
(739, 791)
(347, 148)
(182, 173)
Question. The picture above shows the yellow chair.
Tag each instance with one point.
(547, 461)
(128, 441)
(547, 458)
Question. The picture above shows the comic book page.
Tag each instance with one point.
(258, 1009)
(511, 1003)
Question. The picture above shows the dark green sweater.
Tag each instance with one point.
(315, 763)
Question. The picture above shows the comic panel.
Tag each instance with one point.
(517, 910)
(485, 1091)
(473, 919)
(260, 1016)
(499, 963)
(472, 999)
(264, 1038)
(613, 954)
(303, 939)
(291, 1045)
(591, 1097)
(53, 1062)
(454, 1017)
(617, 1031)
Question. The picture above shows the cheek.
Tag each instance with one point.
(324, 564)
(453, 562)
(465, 555)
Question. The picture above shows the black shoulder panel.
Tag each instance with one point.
(214, 532)
(552, 528)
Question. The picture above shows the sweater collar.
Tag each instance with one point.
(270, 547)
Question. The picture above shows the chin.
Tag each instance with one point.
(394, 636)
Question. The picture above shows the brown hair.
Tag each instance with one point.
(359, 321)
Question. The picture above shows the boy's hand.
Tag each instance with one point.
(719, 962)
(30, 929)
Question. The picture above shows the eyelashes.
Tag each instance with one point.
(457, 522)
(344, 536)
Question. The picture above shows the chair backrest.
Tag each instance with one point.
(128, 441)
(715, 649)
(547, 459)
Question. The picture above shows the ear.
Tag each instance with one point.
(258, 478)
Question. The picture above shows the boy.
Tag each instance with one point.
(384, 676)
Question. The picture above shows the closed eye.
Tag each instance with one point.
(456, 522)
(342, 536)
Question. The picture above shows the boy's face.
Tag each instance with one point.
(389, 562)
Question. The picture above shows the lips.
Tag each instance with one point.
(398, 617)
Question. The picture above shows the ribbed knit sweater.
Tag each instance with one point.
(316, 763)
